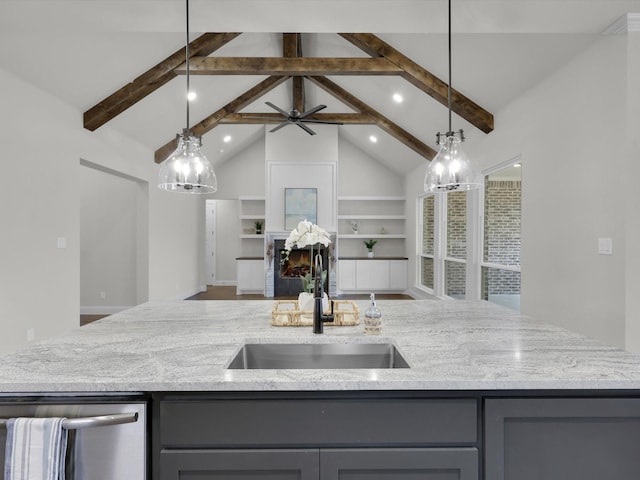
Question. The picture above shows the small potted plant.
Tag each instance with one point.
(370, 244)
(258, 226)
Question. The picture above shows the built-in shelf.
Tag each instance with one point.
(250, 210)
(380, 218)
(372, 235)
(371, 217)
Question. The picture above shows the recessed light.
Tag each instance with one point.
(226, 138)
(517, 165)
(398, 98)
(191, 96)
(373, 139)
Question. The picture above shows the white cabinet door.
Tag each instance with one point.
(398, 274)
(372, 275)
(346, 274)
(250, 276)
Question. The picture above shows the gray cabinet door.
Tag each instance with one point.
(562, 439)
(399, 464)
(239, 464)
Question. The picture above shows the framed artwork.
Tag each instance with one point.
(300, 204)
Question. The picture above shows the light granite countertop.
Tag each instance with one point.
(185, 346)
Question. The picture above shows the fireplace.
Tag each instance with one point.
(287, 273)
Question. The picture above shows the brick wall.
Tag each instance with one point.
(501, 236)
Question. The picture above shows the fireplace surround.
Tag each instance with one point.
(287, 272)
(283, 280)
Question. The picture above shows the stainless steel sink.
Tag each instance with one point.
(317, 356)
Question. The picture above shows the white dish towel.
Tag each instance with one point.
(35, 449)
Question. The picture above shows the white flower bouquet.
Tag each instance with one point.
(306, 234)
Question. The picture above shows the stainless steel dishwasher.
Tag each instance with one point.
(106, 440)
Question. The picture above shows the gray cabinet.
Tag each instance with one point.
(399, 464)
(562, 439)
(239, 465)
(310, 438)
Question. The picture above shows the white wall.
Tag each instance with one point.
(43, 142)
(570, 133)
(361, 175)
(242, 175)
(295, 159)
(632, 253)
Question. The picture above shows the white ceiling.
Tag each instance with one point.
(82, 51)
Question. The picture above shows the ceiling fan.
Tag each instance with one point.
(294, 117)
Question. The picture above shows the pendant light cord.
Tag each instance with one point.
(449, 85)
(187, 60)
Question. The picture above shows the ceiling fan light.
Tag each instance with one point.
(451, 169)
(187, 170)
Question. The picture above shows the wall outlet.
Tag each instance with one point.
(61, 242)
(31, 334)
(605, 246)
(103, 295)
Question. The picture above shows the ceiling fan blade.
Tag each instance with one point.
(286, 114)
(258, 117)
(283, 124)
(326, 122)
(312, 111)
(306, 129)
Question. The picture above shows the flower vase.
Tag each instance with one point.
(306, 300)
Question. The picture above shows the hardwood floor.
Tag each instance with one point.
(86, 319)
(229, 293)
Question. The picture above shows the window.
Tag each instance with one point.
(455, 271)
(500, 265)
(426, 257)
(470, 241)
(444, 244)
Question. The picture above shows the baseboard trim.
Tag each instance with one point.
(102, 310)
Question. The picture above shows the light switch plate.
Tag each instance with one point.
(62, 242)
(605, 246)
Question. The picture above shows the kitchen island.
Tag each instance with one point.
(489, 393)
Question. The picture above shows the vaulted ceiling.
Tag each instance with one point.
(83, 52)
(385, 60)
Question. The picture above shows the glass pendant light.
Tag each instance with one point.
(451, 169)
(187, 170)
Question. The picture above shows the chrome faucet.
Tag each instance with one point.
(318, 294)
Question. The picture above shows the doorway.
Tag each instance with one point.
(113, 240)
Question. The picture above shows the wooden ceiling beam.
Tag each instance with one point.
(151, 80)
(297, 66)
(381, 121)
(271, 118)
(215, 118)
(292, 48)
(423, 79)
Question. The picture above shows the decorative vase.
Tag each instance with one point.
(305, 302)
(370, 254)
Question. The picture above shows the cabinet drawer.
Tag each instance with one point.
(399, 464)
(317, 422)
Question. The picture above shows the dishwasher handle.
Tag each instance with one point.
(89, 422)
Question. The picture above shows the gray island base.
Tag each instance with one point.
(489, 395)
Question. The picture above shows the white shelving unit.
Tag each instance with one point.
(251, 210)
(380, 218)
(250, 264)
